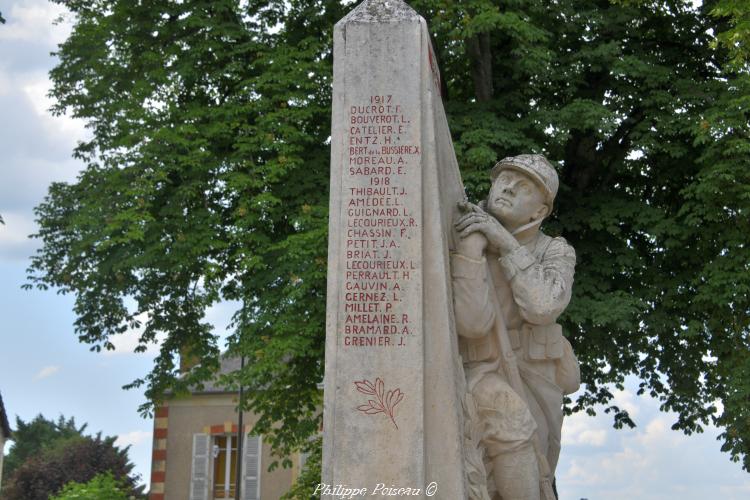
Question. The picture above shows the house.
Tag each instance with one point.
(4, 435)
(194, 453)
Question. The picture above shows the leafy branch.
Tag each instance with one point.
(383, 404)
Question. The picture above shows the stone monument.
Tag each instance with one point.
(393, 380)
(421, 399)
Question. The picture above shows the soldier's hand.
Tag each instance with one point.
(475, 220)
(472, 244)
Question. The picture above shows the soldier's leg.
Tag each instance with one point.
(516, 474)
(508, 430)
(542, 429)
(545, 403)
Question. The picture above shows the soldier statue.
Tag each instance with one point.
(510, 284)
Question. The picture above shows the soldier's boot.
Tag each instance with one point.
(516, 474)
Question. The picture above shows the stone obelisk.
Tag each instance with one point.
(393, 379)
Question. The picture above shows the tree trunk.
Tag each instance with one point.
(478, 48)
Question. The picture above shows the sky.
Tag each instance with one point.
(44, 369)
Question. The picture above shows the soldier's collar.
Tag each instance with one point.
(527, 233)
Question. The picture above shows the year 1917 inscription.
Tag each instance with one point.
(377, 221)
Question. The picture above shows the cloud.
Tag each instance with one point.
(133, 438)
(47, 371)
(219, 315)
(649, 462)
(734, 491)
(29, 129)
(35, 22)
(15, 243)
(659, 433)
(66, 128)
(626, 400)
(580, 429)
(126, 343)
(37, 147)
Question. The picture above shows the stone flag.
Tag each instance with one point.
(393, 378)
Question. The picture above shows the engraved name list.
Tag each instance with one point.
(379, 217)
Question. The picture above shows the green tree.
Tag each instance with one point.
(736, 36)
(78, 459)
(30, 439)
(206, 179)
(307, 482)
(101, 486)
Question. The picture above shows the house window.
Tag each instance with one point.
(214, 467)
(224, 467)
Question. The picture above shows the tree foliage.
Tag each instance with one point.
(78, 459)
(30, 439)
(206, 180)
(101, 486)
(306, 484)
(736, 36)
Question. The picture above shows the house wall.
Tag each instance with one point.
(196, 415)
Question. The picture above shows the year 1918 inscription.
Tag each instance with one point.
(378, 221)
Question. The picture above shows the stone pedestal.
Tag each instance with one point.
(393, 380)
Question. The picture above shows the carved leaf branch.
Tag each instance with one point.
(384, 402)
(475, 471)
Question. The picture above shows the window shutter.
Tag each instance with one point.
(201, 459)
(251, 468)
(303, 456)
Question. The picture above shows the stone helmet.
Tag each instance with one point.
(535, 166)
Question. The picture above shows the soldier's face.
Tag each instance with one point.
(515, 199)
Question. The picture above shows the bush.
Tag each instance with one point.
(102, 486)
(78, 459)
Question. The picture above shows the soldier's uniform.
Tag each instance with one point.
(522, 293)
